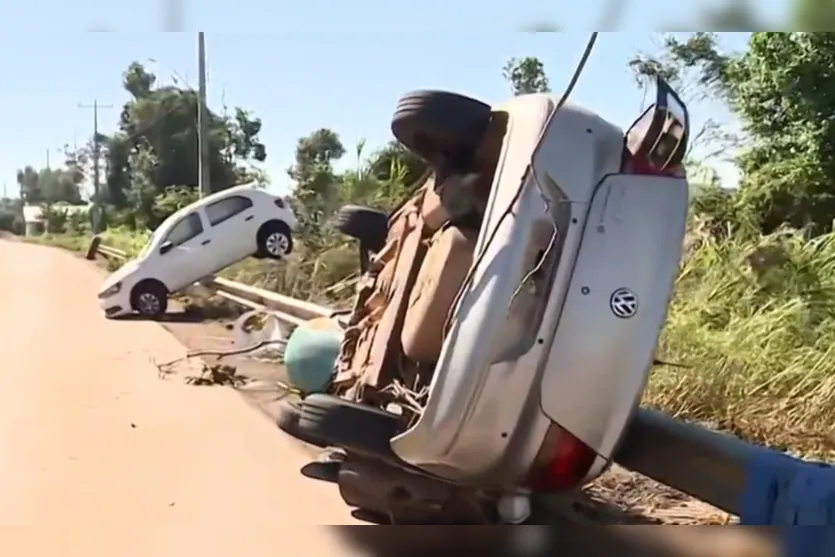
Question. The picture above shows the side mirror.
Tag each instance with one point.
(165, 248)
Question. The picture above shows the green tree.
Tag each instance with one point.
(526, 75)
(781, 88)
(48, 185)
(317, 187)
(158, 132)
(394, 163)
(11, 215)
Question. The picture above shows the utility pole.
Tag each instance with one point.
(203, 183)
(47, 158)
(96, 155)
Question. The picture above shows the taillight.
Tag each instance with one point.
(562, 463)
(280, 203)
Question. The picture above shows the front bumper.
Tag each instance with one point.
(115, 306)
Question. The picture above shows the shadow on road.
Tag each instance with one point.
(184, 316)
(566, 540)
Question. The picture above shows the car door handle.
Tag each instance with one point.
(250, 217)
(205, 242)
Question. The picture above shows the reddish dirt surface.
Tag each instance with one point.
(99, 456)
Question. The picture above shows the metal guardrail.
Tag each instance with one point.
(761, 486)
(287, 309)
(708, 465)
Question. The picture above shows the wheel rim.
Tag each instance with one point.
(277, 243)
(148, 303)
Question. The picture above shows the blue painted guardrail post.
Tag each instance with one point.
(762, 487)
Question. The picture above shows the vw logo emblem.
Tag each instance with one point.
(623, 303)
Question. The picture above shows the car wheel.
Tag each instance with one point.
(367, 225)
(149, 299)
(357, 428)
(442, 128)
(287, 421)
(274, 240)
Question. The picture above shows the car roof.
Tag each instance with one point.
(245, 189)
(234, 190)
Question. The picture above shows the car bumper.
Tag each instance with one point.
(115, 306)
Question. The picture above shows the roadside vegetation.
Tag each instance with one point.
(752, 326)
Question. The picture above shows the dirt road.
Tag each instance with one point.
(98, 457)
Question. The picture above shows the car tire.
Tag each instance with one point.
(367, 225)
(348, 425)
(441, 127)
(287, 421)
(275, 241)
(149, 299)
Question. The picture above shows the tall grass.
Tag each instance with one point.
(754, 321)
(125, 239)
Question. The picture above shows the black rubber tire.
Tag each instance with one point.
(440, 127)
(367, 225)
(267, 234)
(288, 422)
(147, 308)
(354, 427)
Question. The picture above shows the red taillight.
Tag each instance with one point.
(280, 203)
(562, 463)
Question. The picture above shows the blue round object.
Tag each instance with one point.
(311, 354)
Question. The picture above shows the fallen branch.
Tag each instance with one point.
(220, 354)
(221, 375)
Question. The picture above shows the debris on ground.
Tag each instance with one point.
(217, 375)
(630, 498)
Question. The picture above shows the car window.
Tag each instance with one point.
(219, 211)
(185, 230)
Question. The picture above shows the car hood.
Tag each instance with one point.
(120, 274)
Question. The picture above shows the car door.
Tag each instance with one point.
(234, 228)
(184, 254)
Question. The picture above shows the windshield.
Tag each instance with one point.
(151, 241)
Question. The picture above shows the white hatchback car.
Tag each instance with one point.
(197, 241)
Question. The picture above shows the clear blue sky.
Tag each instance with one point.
(295, 71)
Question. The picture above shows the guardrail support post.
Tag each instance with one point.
(94, 248)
